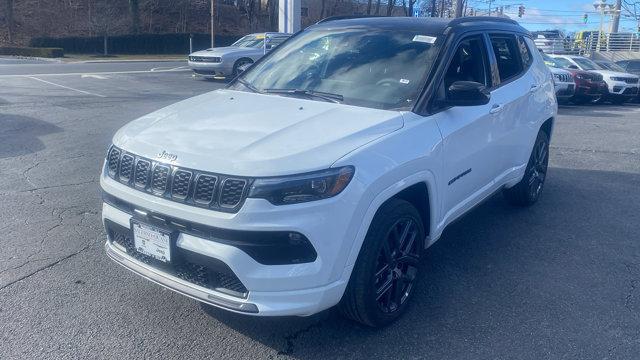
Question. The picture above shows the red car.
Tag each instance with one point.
(589, 86)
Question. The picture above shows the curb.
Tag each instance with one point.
(126, 60)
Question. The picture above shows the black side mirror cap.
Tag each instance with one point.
(467, 93)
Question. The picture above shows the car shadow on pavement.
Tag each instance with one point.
(19, 135)
(535, 280)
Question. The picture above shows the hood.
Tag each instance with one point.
(609, 73)
(555, 70)
(221, 51)
(248, 134)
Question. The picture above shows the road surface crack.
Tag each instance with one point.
(290, 340)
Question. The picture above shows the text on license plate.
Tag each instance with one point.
(152, 242)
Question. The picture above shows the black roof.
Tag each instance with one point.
(423, 24)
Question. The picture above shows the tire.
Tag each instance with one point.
(385, 275)
(528, 190)
(239, 63)
(618, 101)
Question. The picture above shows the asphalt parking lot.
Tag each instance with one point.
(560, 280)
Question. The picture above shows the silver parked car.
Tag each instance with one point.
(225, 61)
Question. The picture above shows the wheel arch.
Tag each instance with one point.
(547, 126)
(419, 189)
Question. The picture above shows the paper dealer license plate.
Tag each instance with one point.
(152, 241)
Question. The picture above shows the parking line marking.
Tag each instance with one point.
(65, 87)
(95, 73)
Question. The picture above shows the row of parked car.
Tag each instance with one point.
(581, 80)
(577, 79)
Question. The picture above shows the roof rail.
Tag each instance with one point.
(346, 17)
(462, 20)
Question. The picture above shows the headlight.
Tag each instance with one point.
(302, 188)
(582, 77)
(615, 78)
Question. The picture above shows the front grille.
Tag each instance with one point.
(563, 77)
(194, 268)
(160, 178)
(631, 80)
(191, 187)
(232, 191)
(595, 77)
(205, 59)
(181, 182)
(113, 161)
(141, 175)
(126, 167)
(205, 188)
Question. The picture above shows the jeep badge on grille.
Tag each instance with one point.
(167, 156)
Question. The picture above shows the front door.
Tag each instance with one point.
(467, 132)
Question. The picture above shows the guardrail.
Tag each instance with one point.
(615, 45)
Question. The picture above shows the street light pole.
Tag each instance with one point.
(213, 23)
(615, 17)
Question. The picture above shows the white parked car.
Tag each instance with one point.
(551, 41)
(563, 80)
(323, 172)
(622, 86)
(226, 61)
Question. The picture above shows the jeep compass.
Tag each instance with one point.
(320, 175)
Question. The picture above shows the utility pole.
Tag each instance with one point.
(490, 7)
(213, 23)
(615, 17)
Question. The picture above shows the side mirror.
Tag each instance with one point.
(573, 67)
(467, 93)
(268, 47)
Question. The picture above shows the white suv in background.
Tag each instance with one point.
(322, 173)
(622, 86)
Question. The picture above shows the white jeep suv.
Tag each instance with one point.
(321, 174)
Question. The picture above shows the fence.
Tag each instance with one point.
(133, 44)
(589, 42)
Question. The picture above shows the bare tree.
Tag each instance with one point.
(369, 7)
(390, 5)
(378, 7)
(134, 11)
(9, 19)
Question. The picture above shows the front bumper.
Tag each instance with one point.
(272, 290)
(622, 89)
(211, 69)
(565, 90)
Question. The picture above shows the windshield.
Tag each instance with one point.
(587, 64)
(549, 61)
(611, 66)
(250, 41)
(562, 63)
(362, 66)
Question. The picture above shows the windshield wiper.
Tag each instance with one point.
(248, 85)
(335, 98)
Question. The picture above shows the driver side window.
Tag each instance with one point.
(468, 63)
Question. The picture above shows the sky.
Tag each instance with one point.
(558, 14)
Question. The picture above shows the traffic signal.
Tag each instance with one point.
(585, 18)
(520, 10)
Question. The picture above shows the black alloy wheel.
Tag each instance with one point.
(386, 272)
(529, 189)
(397, 265)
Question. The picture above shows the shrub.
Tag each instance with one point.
(51, 52)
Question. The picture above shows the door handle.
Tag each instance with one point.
(495, 109)
(533, 88)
